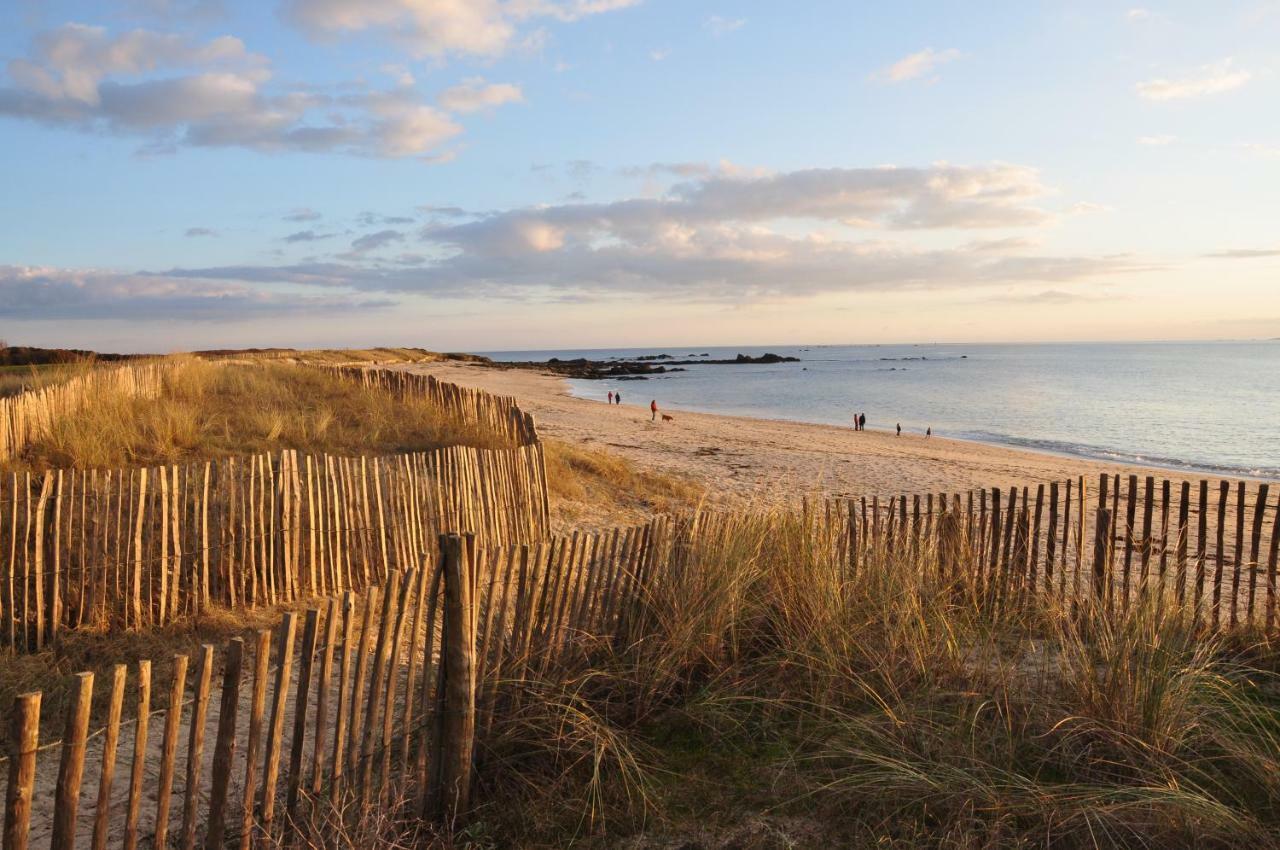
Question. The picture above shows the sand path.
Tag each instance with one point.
(769, 460)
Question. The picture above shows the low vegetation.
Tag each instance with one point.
(778, 700)
(209, 410)
(594, 488)
(330, 356)
(50, 671)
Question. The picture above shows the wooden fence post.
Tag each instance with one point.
(275, 732)
(137, 770)
(224, 748)
(1102, 549)
(172, 719)
(24, 740)
(310, 630)
(454, 732)
(253, 746)
(195, 747)
(71, 769)
(102, 814)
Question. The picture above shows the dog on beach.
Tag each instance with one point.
(666, 418)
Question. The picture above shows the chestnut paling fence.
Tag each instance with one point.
(392, 694)
(493, 414)
(135, 548)
(1208, 547)
(29, 415)
(382, 696)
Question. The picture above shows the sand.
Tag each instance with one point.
(774, 461)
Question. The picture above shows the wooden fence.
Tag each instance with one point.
(29, 415)
(142, 547)
(1211, 546)
(495, 414)
(382, 695)
(135, 548)
(394, 694)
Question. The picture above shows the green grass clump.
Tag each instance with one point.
(779, 698)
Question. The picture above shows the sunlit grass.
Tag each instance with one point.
(212, 409)
(896, 707)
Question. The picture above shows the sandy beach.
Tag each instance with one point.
(772, 460)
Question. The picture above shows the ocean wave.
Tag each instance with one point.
(1127, 457)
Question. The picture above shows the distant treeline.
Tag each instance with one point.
(22, 355)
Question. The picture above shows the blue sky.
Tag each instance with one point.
(485, 174)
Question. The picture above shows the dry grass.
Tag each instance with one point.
(219, 409)
(17, 379)
(773, 687)
(595, 489)
(76, 651)
(326, 356)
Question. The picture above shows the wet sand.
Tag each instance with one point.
(774, 461)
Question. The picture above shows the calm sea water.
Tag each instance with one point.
(1205, 407)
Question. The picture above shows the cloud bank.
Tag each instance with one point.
(40, 292)
(721, 235)
(172, 92)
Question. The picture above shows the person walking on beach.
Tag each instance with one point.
(610, 396)
(653, 409)
(617, 398)
(899, 429)
(862, 421)
(928, 432)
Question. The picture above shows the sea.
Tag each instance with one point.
(1197, 407)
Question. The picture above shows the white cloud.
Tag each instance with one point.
(474, 94)
(303, 214)
(721, 235)
(1157, 141)
(1139, 14)
(916, 65)
(565, 10)
(307, 236)
(1048, 297)
(1261, 149)
(718, 25)
(438, 28)
(1245, 253)
(195, 232)
(69, 63)
(220, 96)
(371, 242)
(1211, 79)
(45, 292)
(659, 53)
(1088, 207)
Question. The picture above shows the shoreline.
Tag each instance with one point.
(773, 461)
(1102, 456)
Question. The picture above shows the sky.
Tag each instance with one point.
(520, 174)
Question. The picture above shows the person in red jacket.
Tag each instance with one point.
(653, 409)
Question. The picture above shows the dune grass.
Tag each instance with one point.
(326, 356)
(595, 488)
(17, 379)
(777, 700)
(210, 409)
